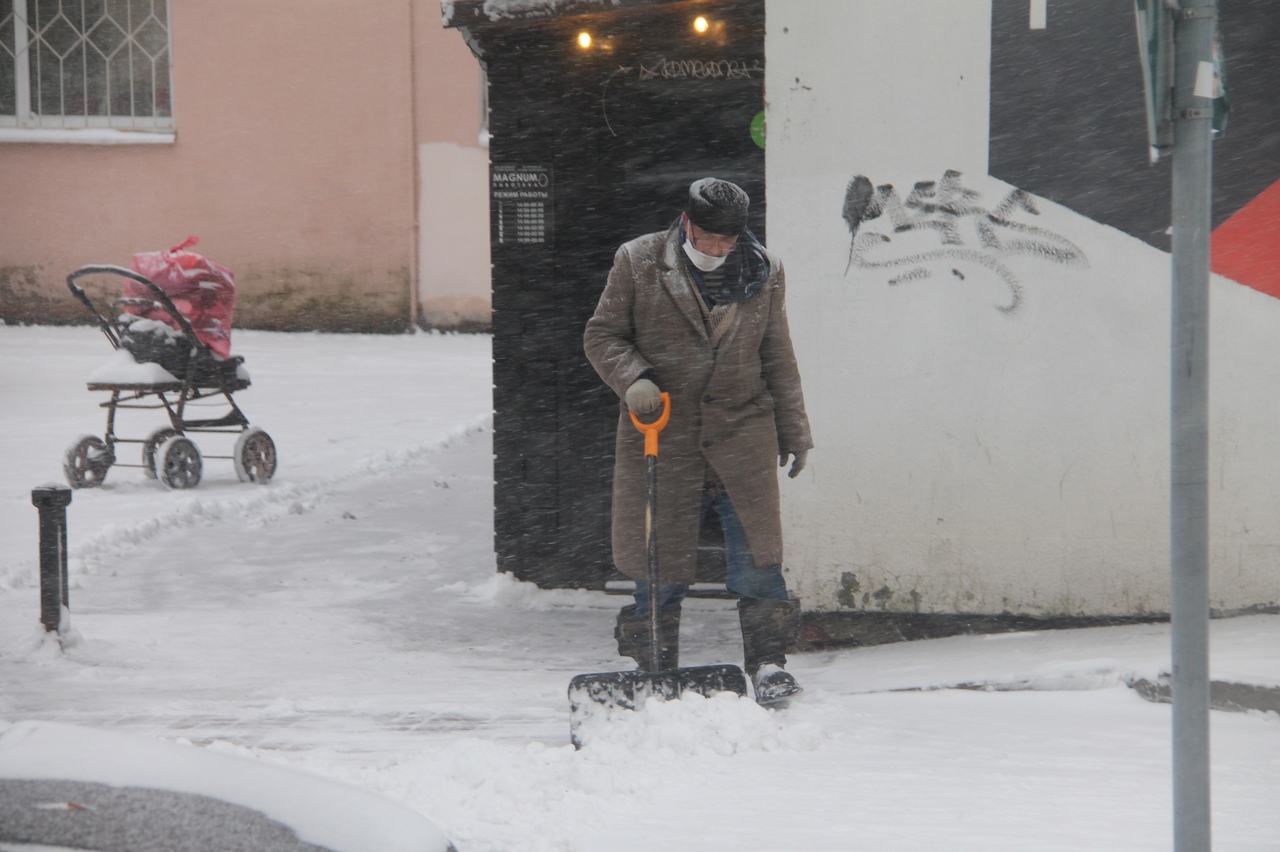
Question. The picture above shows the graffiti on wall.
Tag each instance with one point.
(698, 69)
(954, 231)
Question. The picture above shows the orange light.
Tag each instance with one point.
(584, 40)
(700, 24)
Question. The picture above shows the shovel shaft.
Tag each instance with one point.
(651, 533)
(650, 432)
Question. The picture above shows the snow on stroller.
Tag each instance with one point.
(171, 332)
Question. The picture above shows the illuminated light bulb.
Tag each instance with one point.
(700, 24)
(584, 39)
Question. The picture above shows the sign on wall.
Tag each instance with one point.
(522, 198)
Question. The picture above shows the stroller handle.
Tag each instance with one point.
(161, 296)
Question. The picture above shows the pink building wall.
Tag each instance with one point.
(295, 157)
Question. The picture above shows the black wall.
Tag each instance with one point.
(1068, 119)
(602, 144)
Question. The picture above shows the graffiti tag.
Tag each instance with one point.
(699, 69)
(967, 231)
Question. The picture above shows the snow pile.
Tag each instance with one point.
(44, 649)
(391, 461)
(142, 325)
(1082, 675)
(724, 724)
(337, 816)
(504, 590)
(85, 136)
(520, 797)
(122, 369)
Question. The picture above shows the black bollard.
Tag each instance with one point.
(52, 501)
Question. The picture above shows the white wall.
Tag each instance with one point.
(991, 418)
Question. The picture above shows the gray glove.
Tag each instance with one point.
(800, 456)
(642, 397)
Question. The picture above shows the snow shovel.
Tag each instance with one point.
(592, 694)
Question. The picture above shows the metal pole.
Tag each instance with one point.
(52, 502)
(1189, 505)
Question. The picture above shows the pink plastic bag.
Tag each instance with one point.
(203, 291)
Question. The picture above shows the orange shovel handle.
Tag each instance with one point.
(651, 430)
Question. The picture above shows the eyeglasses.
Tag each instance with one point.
(715, 245)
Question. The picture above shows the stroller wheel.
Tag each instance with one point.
(255, 457)
(178, 463)
(87, 462)
(149, 447)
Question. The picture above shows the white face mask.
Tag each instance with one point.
(705, 262)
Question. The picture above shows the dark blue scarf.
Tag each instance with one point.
(746, 270)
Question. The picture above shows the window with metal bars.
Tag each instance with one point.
(85, 63)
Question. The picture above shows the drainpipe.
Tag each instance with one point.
(417, 177)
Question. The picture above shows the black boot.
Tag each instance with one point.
(632, 633)
(769, 628)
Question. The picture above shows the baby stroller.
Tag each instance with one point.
(162, 362)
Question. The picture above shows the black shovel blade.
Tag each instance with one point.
(594, 694)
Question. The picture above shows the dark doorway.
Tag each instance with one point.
(593, 146)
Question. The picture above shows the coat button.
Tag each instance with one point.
(706, 443)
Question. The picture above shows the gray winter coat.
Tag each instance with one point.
(733, 406)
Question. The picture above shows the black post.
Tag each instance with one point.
(52, 502)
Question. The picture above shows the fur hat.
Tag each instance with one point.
(718, 206)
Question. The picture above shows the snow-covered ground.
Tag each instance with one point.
(347, 619)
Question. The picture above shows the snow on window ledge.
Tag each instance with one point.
(87, 136)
